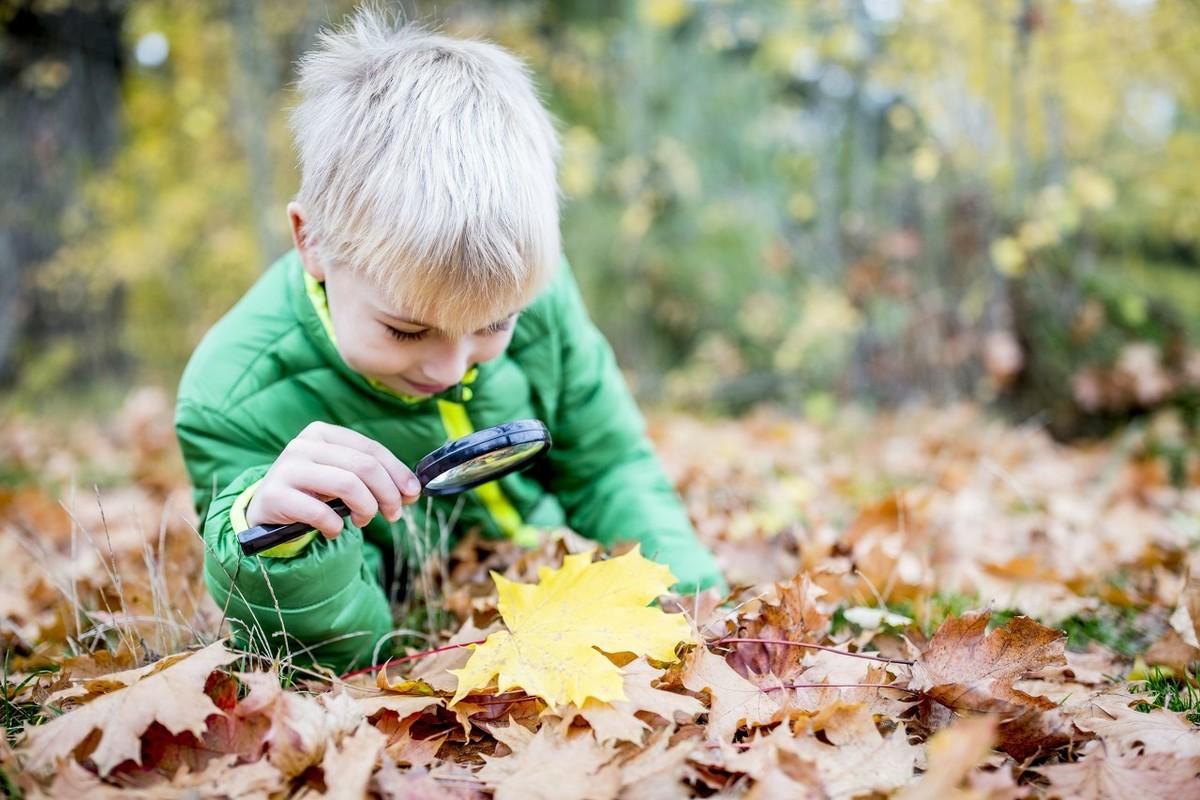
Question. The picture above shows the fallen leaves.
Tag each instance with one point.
(1105, 775)
(734, 701)
(1153, 731)
(558, 628)
(173, 697)
(843, 535)
(550, 765)
(619, 720)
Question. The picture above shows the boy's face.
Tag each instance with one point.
(412, 357)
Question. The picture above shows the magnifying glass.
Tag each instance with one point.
(454, 467)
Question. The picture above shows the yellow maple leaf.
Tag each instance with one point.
(557, 627)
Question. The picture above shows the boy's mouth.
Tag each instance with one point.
(426, 388)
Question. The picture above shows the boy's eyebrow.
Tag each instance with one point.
(406, 321)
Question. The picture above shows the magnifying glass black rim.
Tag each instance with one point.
(460, 451)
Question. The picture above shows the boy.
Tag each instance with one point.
(426, 297)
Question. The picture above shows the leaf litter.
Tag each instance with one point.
(923, 606)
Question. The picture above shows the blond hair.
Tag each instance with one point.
(428, 163)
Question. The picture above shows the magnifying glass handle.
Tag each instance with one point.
(264, 537)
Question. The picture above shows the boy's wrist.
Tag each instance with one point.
(239, 522)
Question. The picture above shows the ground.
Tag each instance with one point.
(954, 606)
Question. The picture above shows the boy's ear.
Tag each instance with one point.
(298, 218)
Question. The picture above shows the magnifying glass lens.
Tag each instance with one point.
(495, 462)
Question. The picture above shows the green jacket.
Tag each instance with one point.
(270, 367)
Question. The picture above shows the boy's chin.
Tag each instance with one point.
(406, 387)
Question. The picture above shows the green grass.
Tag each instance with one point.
(928, 616)
(1166, 691)
(1111, 626)
(18, 714)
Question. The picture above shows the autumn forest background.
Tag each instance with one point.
(910, 290)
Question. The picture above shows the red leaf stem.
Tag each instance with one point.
(737, 639)
(837, 686)
(411, 657)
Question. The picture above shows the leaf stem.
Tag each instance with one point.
(837, 686)
(410, 657)
(789, 643)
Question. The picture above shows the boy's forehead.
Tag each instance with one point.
(399, 314)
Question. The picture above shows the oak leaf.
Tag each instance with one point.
(173, 697)
(560, 628)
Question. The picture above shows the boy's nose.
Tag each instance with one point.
(449, 365)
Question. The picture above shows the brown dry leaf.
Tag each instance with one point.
(953, 753)
(998, 784)
(1109, 773)
(88, 688)
(434, 670)
(1170, 650)
(617, 720)
(348, 768)
(734, 701)
(402, 747)
(859, 761)
(1156, 731)
(173, 697)
(300, 726)
(968, 671)
(794, 614)
(777, 768)
(371, 701)
(1186, 618)
(221, 778)
(550, 765)
(656, 771)
(873, 763)
(390, 783)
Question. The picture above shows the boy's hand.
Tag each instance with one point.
(327, 461)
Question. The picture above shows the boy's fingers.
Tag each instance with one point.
(337, 482)
(404, 478)
(366, 467)
(296, 506)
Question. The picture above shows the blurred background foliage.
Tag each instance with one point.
(787, 202)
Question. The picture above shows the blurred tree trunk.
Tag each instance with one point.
(254, 84)
(60, 74)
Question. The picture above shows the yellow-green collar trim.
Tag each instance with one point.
(320, 303)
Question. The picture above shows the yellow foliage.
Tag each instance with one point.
(1008, 256)
(557, 627)
(663, 13)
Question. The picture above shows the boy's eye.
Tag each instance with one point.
(499, 327)
(405, 336)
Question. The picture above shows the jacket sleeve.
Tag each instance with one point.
(603, 467)
(322, 605)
